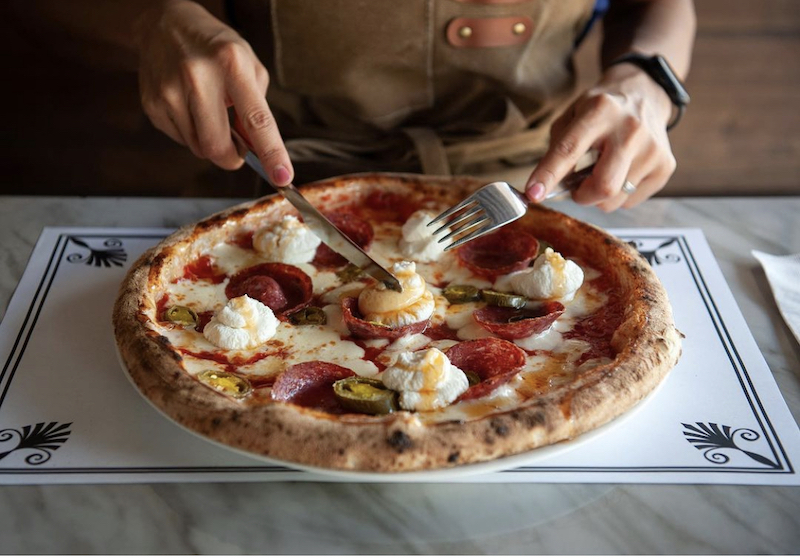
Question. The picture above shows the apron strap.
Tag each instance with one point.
(430, 150)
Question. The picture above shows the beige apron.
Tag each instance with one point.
(438, 86)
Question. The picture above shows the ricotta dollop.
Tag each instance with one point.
(426, 380)
(243, 323)
(551, 277)
(417, 238)
(289, 241)
(415, 303)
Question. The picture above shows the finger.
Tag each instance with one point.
(611, 170)
(622, 198)
(644, 175)
(558, 126)
(566, 148)
(261, 129)
(648, 186)
(209, 113)
(181, 118)
(655, 166)
(161, 119)
(645, 188)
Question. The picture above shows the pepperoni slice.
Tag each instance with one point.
(310, 384)
(513, 324)
(358, 230)
(360, 328)
(283, 286)
(495, 361)
(504, 251)
(266, 290)
(394, 207)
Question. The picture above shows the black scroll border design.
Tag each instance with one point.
(113, 253)
(38, 440)
(717, 441)
(654, 257)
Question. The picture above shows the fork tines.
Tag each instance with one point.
(463, 220)
(485, 210)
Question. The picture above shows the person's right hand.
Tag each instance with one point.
(192, 68)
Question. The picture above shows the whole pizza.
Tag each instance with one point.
(245, 329)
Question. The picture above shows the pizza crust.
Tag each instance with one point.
(647, 345)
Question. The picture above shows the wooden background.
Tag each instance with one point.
(74, 130)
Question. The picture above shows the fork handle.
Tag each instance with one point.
(571, 182)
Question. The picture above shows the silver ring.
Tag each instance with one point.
(628, 187)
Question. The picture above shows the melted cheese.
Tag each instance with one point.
(291, 344)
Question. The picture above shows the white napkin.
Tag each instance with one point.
(783, 274)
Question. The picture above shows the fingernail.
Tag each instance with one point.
(536, 192)
(281, 175)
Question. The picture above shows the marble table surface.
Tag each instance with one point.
(351, 518)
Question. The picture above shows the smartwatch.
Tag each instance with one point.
(661, 72)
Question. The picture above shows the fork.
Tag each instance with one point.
(491, 207)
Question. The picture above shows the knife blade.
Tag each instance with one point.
(318, 223)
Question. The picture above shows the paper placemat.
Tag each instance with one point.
(68, 413)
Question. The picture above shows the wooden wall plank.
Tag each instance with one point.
(747, 16)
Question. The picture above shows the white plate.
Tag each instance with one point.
(433, 475)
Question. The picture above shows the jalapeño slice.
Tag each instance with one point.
(181, 315)
(309, 316)
(461, 294)
(501, 299)
(226, 383)
(349, 273)
(365, 395)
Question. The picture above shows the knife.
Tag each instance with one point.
(317, 222)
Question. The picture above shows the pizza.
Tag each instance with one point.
(247, 330)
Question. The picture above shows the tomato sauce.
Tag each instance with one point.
(161, 307)
(598, 328)
(244, 240)
(234, 362)
(203, 269)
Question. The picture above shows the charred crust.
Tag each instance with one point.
(499, 427)
(216, 421)
(157, 261)
(206, 225)
(240, 213)
(453, 457)
(400, 441)
(163, 340)
(534, 419)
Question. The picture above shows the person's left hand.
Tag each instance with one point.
(624, 118)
